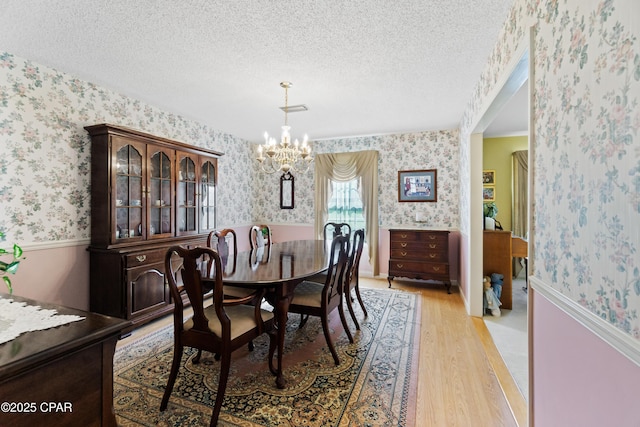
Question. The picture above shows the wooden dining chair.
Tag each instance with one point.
(259, 236)
(225, 243)
(333, 229)
(320, 299)
(351, 279)
(221, 328)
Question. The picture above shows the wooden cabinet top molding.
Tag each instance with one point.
(105, 128)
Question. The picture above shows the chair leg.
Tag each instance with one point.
(197, 358)
(303, 320)
(222, 386)
(250, 346)
(350, 307)
(343, 319)
(327, 337)
(175, 365)
(357, 288)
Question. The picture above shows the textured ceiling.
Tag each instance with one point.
(362, 67)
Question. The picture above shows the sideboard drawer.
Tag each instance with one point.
(136, 259)
(408, 254)
(413, 267)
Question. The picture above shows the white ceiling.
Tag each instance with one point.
(363, 67)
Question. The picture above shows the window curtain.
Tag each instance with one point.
(346, 167)
(519, 213)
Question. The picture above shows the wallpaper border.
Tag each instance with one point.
(609, 333)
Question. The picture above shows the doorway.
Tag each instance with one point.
(512, 98)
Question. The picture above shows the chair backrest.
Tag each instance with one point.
(225, 242)
(259, 236)
(185, 278)
(190, 273)
(333, 229)
(338, 260)
(353, 266)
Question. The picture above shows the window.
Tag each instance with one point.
(345, 204)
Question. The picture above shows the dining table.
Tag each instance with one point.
(278, 269)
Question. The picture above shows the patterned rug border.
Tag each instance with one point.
(362, 403)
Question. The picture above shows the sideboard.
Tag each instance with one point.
(61, 376)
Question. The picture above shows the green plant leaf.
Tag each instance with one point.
(12, 267)
(17, 251)
(7, 282)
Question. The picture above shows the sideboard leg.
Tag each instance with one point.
(389, 278)
(448, 285)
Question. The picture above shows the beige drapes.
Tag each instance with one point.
(346, 167)
(519, 212)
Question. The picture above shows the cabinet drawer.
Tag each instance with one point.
(405, 236)
(438, 245)
(408, 254)
(400, 268)
(408, 237)
(135, 259)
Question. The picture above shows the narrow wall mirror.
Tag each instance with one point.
(286, 191)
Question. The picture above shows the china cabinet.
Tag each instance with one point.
(419, 254)
(147, 193)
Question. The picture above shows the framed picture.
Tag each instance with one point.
(488, 193)
(418, 186)
(488, 177)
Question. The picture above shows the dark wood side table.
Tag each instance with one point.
(419, 254)
(61, 376)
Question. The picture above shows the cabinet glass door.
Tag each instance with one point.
(207, 196)
(129, 194)
(160, 195)
(186, 197)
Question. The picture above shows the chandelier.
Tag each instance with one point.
(285, 156)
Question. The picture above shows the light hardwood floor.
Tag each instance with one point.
(463, 380)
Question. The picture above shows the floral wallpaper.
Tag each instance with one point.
(45, 186)
(45, 174)
(424, 150)
(587, 148)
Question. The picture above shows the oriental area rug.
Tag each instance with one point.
(374, 385)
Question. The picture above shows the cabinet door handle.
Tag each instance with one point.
(436, 268)
(141, 258)
(399, 265)
(432, 245)
(432, 237)
(433, 255)
(404, 236)
(403, 253)
(404, 245)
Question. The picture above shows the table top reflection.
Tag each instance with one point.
(281, 262)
